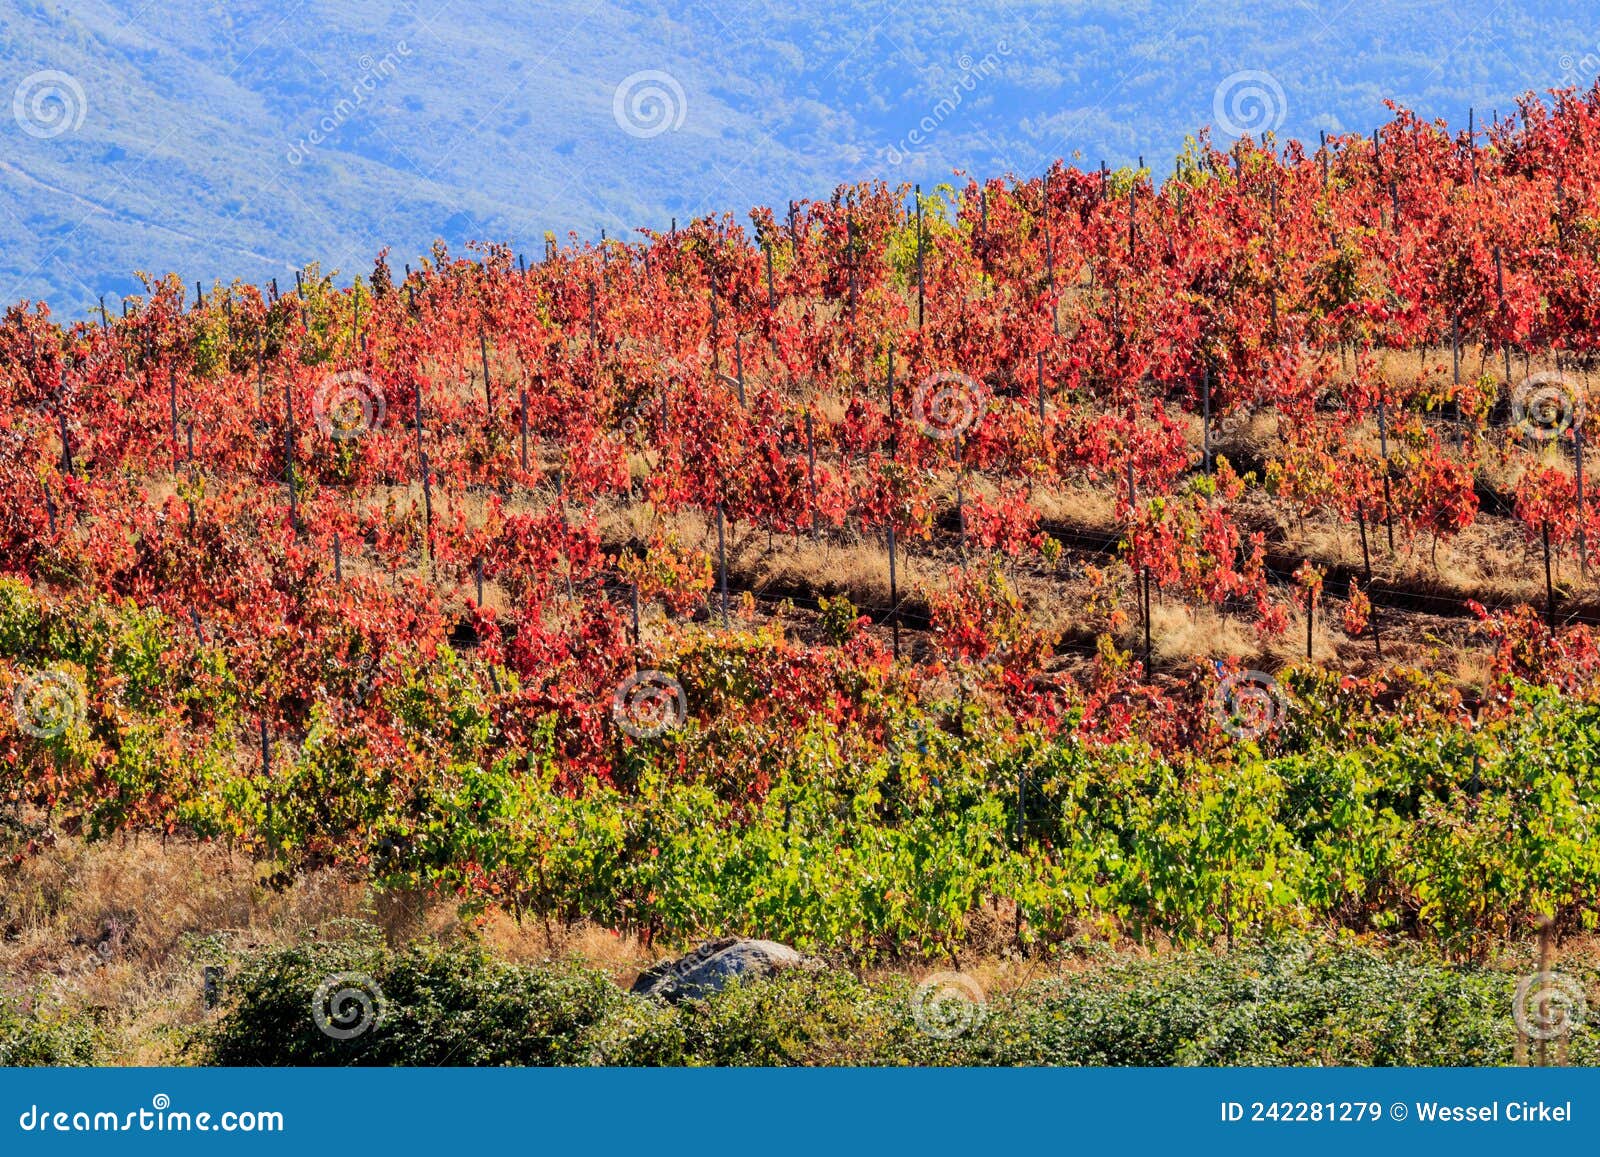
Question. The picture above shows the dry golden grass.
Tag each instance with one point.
(1179, 633)
(125, 928)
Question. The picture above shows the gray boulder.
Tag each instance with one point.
(710, 967)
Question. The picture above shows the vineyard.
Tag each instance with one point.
(1022, 558)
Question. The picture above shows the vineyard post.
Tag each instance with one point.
(1500, 294)
(920, 280)
(288, 454)
(594, 333)
(355, 321)
(1022, 836)
(66, 446)
(716, 318)
(105, 318)
(1311, 614)
(722, 564)
(338, 560)
(1383, 450)
(772, 293)
(1367, 570)
(1324, 155)
(1577, 454)
(522, 421)
(1044, 213)
(1455, 360)
(1133, 221)
(49, 506)
(266, 774)
(1549, 586)
(488, 386)
(961, 510)
(894, 592)
(635, 612)
(427, 487)
(1039, 375)
(172, 413)
(1146, 571)
(1205, 417)
(477, 575)
(189, 461)
(811, 470)
(738, 364)
(850, 262)
(1472, 144)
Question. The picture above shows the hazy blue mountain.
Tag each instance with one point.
(239, 138)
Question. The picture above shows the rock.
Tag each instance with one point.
(710, 967)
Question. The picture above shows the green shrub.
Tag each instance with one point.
(1282, 1004)
(34, 1031)
(431, 1006)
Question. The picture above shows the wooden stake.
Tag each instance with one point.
(1549, 586)
(66, 445)
(1039, 375)
(522, 420)
(894, 592)
(811, 472)
(722, 565)
(920, 279)
(488, 386)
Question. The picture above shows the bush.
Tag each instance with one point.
(33, 1032)
(1279, 1004)
(431, 1006)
